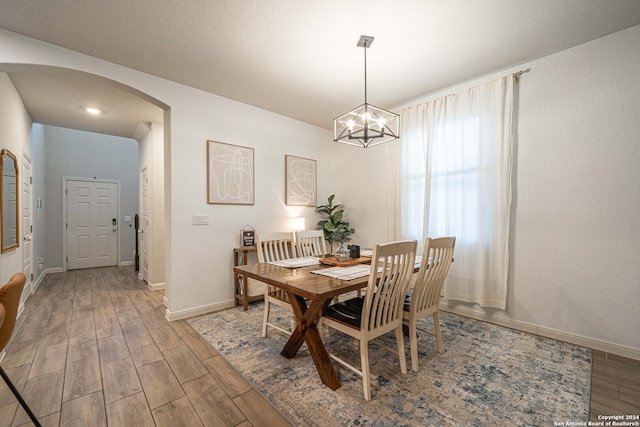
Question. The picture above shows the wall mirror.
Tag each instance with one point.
(9, 193)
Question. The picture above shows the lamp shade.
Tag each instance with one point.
(297, 224)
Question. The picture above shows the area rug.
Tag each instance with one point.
(487, 375)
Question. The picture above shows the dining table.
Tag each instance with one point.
(310, 294)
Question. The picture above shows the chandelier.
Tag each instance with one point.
(366, 125)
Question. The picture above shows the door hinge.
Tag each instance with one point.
(31, 228)
(30, 180)
(66, 225)
(31, 276)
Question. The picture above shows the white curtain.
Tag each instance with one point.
(450, 175)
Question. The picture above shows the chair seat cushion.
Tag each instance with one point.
(348, 312)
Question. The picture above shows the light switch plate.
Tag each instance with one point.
(200, 219)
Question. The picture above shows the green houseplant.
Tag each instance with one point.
(335, 228)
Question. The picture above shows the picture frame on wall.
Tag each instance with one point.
(300, 181)
(230, 174)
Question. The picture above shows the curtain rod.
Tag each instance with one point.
(516, 76)
(457, 88)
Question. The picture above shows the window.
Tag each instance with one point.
(454, 179)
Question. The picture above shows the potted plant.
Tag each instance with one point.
(335, 228)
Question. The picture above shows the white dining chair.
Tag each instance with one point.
(424, 299)
(310, 243)
(271, 247)
(380, 310)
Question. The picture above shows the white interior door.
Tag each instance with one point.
(144, 225)
(92, 224)
(27, 224)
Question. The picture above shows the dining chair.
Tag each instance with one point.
(271, 247)
(9, 300)
(380, 310)
(424, 299)
(310, 243)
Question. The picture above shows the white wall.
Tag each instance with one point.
(205, 252)
(156, 271)
(80, 154)
(575, 256)
(15, 125)
(38, 192)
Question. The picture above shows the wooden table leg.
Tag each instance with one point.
(245, 293)
(307, 331)
(245, 298)
(237, 278)
(245, 283)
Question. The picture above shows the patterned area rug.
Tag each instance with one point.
(487, 376)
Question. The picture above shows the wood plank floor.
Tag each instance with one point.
(615, 386)
(93, 348)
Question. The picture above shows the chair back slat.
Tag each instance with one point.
(436, 261)
(391, 269)
(311, 243)
(275, 246)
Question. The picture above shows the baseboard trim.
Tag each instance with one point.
(197, 311)
(543, 331)
(28, 289)
(34, 286)
(20, 310)
(125, 263)
(39, 280)
(155, 286)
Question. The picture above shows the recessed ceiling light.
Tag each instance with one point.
(92, 110)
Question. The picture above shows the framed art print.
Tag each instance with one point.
(230, 174)
(300, 181)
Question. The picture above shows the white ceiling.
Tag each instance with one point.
(59, 98)
(298, 58)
